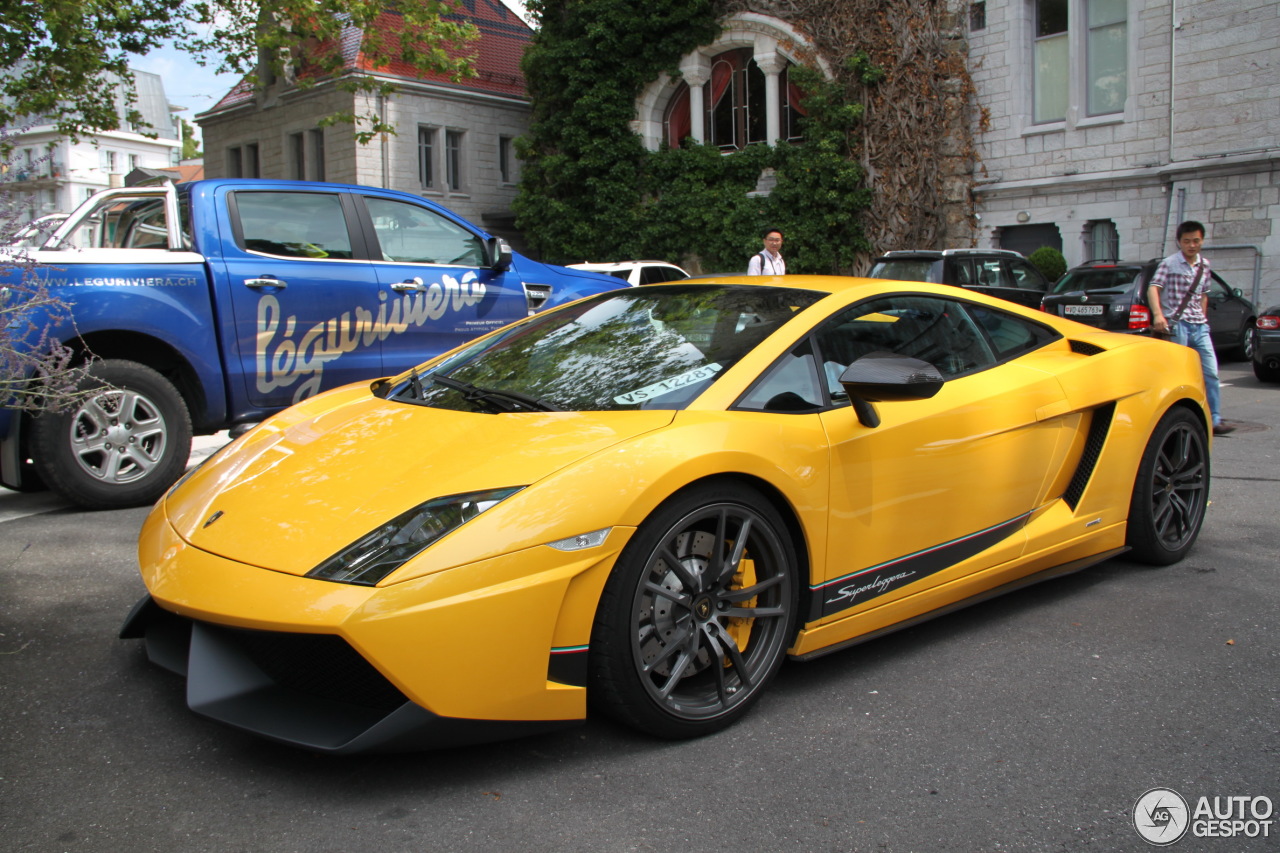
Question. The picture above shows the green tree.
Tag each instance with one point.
(190, 145)
(56, 54)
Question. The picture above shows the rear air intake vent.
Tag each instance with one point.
(1084, 348)
(1099, 426)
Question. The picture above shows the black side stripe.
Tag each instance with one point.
(863, 585)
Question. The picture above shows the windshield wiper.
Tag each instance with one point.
(497, 399)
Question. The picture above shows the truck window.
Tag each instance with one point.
(414, 235)
(294, 225)
(122, 222)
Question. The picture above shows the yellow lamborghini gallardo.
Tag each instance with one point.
(647, 500)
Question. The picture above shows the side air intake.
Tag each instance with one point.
(1082, 348)
(1099, 426)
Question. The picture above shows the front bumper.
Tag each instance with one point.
(483, 652)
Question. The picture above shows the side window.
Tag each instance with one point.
(1218, 289)
(414, 235)
(938, 331)
(1027, 277)
(790, 385)
(121, 222)
(992, 274)
(961, 272)
(1008, 335)
(294, 225)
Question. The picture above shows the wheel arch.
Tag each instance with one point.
(771, 493)
(156, 354)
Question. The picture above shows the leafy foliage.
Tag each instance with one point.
(1049, 261)
(591, 191)
(57, 54)
(37, 372)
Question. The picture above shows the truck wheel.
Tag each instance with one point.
(122, 447)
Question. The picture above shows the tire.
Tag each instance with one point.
(1243, 351)
(1171, 493)
(684, 643)
(123, 447)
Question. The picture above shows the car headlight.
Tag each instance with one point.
(381, 551)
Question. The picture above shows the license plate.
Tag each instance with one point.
(1082, 310)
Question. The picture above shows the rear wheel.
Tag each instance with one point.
(697, 616)
(1171, 493)
(118, 448)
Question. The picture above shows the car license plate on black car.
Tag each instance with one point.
(1082, 310)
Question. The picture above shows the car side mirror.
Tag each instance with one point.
(888, 377)
(499, 252)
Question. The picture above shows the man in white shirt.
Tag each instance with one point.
(769, 260)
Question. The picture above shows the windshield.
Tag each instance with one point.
(905, 269)
(656, 348)
(1106, 278)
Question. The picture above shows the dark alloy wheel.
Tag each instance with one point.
(1171, 493)
(697, 616)
(118, 448)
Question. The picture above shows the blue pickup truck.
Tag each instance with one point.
(211, 304)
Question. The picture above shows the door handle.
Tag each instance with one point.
(409, 285)
(266, 281)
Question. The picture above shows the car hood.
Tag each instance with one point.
(309, 482)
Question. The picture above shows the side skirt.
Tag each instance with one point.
(1047, 574)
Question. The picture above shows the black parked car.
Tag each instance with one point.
(1113, 295)
(1266, 345)
(995, 272)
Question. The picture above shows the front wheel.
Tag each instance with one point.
(1171, 493)
(120, 447)
(697, 616)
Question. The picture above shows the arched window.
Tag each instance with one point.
(737, 100)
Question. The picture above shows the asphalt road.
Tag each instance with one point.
(1029, 723)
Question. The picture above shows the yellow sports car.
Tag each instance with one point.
(649, 499)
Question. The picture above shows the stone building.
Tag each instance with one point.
(1110, 121)
(453, 141)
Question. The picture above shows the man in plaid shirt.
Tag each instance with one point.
(1167, 293)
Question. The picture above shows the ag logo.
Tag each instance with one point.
(1161, 816)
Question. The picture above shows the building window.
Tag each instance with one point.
(133, 162)
(453, 159)
(1107, 56)
(1052, 61)
(317, 153)
(505, 171)
(110, 162)
(977, 16)
(427, 157)
(297, 157)
(235, 162)
(1103, 241)
(252, 169)
(737, 105)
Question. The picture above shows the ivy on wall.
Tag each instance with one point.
(590, 190)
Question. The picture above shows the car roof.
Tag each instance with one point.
(946, 253)
(620, 265)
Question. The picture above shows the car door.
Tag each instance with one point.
(437, 288)
(303, 297)
(1227, 314)
(1030, 282)
(940, 490)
